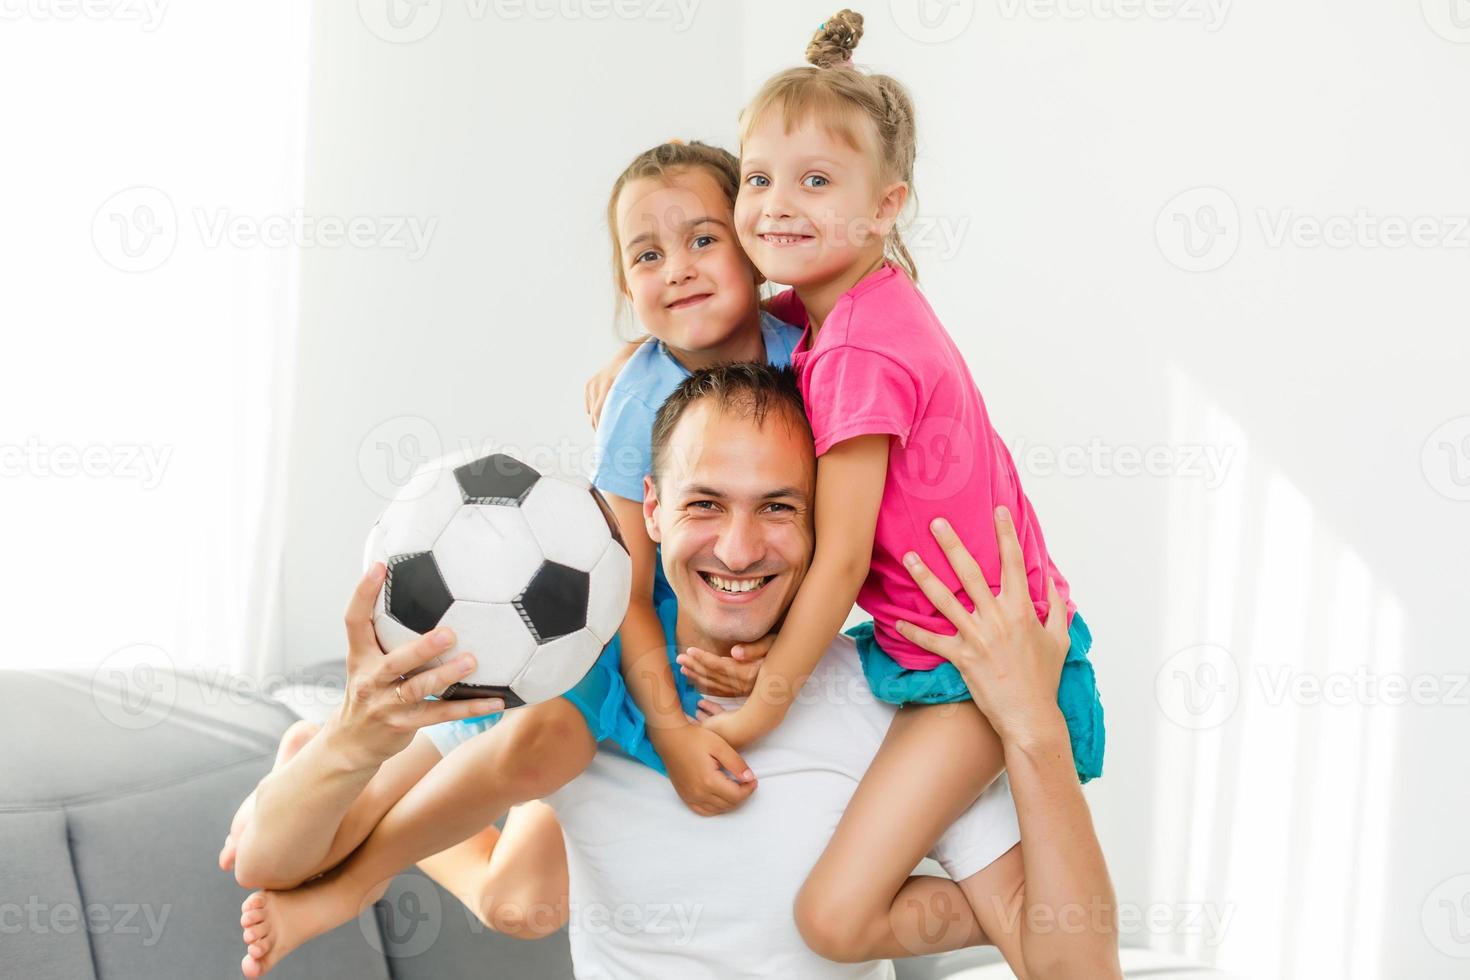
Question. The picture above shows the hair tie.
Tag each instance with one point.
(675, 140)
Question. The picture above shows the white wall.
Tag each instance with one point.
(1051, 149)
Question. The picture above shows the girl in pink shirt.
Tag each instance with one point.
(903, 440)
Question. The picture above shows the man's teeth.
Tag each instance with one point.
(735, 585)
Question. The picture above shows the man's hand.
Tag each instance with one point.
(382, 711)
(594, 393)
(1011, 663)
(726, 677)
(697, 760)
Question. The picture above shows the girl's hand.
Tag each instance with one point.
(697, 760)
(739, 727)
(594, 393)
(1010, 661)
(726, 677)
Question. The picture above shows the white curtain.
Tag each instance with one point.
(153, 171)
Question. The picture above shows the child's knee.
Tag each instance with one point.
(518, 917)
(830, 930)
(544, 749)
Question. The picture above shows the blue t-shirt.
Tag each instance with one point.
(624, 434)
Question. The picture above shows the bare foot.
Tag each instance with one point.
(292, 741)
(274, 924)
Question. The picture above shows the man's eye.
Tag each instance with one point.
(781, 508)
(757, 180)
(702, 505)
(821, 181)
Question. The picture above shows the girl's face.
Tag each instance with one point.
(690, 284)
(810, 206)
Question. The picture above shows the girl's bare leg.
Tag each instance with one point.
(515, 880)
(861, 901)
(532, 752)
(292, 740)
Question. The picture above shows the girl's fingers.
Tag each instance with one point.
(936, 591)
(1012, 562)
(925, 640)
(362, 641)
(972, 578)
(710, 708)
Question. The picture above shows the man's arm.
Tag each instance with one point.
(299, 807)
(1012, 665)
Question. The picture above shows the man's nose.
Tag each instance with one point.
(740, 545)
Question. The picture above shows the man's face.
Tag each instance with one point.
(733, 514)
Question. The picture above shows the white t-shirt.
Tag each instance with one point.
(657, 891)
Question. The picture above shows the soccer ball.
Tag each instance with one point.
(527, 568)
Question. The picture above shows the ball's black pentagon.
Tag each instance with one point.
(495, 479)
(610, 517)
(469, 692)
(555, 603)
(415, 593)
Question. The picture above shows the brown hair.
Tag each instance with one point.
(755, 390)
(663, 162)
(851, 104)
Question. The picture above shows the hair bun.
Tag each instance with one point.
(833, 44)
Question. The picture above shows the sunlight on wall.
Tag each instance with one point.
(1271, 749)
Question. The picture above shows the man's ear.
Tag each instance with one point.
(890, 206)
(650, 509)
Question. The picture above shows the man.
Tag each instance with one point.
(675, 894)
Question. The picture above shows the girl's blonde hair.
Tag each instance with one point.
(868, 111)
(663, 162)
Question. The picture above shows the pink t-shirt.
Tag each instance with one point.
(883, 364)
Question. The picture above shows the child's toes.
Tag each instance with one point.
(250, 966)
(251, 917)
(227, 853)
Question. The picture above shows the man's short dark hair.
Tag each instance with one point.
(755, 390)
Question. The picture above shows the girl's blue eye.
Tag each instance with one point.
(756, 180)
(824, 180)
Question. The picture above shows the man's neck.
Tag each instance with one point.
(686, 635)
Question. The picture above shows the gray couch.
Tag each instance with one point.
(116, 793)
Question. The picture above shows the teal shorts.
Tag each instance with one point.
(1077, 694)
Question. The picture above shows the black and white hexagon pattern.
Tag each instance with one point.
(526, 567)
